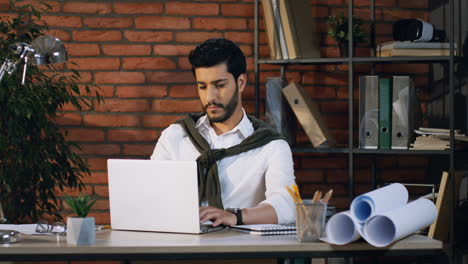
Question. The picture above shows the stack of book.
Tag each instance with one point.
(290, 29)
(435, 138)
(409, 48)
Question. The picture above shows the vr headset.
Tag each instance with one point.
(416, 30)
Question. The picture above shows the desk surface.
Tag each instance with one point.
(113, 245)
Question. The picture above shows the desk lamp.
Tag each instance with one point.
(43, 50)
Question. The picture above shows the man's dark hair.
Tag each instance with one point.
(218, 50)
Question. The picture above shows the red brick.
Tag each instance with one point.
(99, 149)
(125, 50)
(68, 119)
(63, 21)
(171, 77)
(161, 121)
(327, 162)
(96, 35)
(407, 68)
(242, 10)
(209, 23)
(94, 64)
(308, 176)
(102, 120)
(138, 8)
(126, 135)
(403, 175)
(70, 107)
(240, 37)
(85, 135)
(4, 5)
(192, 9)
(338, 189)
(413, 4)
(172, 50)
(148, 36)
(334, 107)
(87, 8)
(97, 164)
(138, 150)
(397, 14)
(108, 22)
(124, 105)
(325, 79)
(39, 5)
(60, 34)
(103, 90)
(183, 63)
(412, 161)
(73, 192)
(178, 106)
(75, 49)
(119, 77)
(101, 190)
(96, 178)
(183, 91)
(162, 22)
(196, 37)
(145, 63)
(146, 91)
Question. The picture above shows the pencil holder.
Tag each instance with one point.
(310, 221)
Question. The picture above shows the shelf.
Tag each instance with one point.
(401, 151)
(370, 151)
(414, 59)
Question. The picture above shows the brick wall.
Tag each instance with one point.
(136, 51)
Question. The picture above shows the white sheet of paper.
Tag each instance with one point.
(383, 229)
(29, 229)
(378, 201)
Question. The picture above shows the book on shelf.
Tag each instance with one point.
(409, 48)
(290, 30)
(308, 115)
(385, 113)
(299, 29)
(437, 139)
(271, 31)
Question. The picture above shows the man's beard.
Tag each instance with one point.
(228, 109)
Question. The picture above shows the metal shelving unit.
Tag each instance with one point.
(351, 150)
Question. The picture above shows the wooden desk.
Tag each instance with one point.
(225, 244)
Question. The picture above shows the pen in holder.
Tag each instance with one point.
(310, 220)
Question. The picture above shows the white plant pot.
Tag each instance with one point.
(81, 231)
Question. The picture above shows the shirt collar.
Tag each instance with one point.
(244, 127)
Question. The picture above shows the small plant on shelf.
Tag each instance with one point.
(338, 30)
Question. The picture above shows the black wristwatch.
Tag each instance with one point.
(238, 213)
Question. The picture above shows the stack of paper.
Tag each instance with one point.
(435, 138)
(410, 48)
(381, 217)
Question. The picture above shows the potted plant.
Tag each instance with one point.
(36, 160)
(81, 229)
(338, 30)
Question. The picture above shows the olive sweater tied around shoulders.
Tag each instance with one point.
(208, 181)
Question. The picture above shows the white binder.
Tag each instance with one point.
(402, 116)
(369, 112)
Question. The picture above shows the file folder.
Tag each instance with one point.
(278, 113)
(385, 113)
(369, 112)
(308, 114)
(402, 115)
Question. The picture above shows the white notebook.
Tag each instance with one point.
(266, 229)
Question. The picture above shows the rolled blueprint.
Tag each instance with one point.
(342, 229)
(378, 201)
(382, 229)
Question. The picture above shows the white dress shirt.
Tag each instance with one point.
(248, 179)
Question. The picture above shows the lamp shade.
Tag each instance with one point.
(48, 50)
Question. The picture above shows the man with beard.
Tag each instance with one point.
(243, 165)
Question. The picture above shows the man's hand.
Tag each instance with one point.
(217, 216)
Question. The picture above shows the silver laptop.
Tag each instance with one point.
(151, 195)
